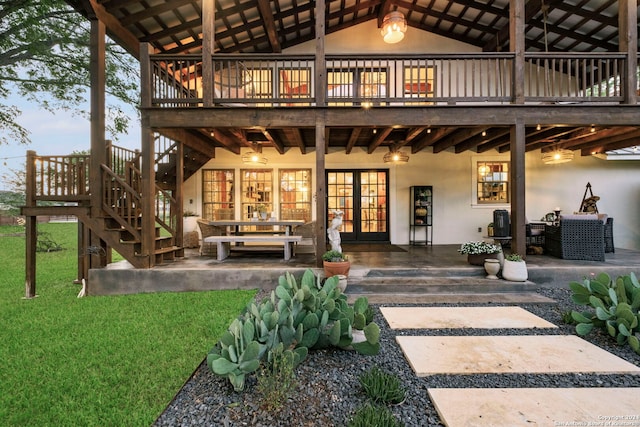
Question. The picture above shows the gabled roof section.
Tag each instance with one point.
(174, 26)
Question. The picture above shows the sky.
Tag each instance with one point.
(55, 134)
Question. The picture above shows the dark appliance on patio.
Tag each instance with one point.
(501, 226)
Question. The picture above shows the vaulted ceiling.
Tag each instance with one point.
(174, 26)
(249, 26)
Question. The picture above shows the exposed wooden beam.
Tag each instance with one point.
(282, 117)
(379, 139)
(240, 135)
(410, 136)
(478, 139)
(115, 29)
(295, 137)
(353, 138)
(191, 140)
(278, 145)
(623, 141)
(457, 137)
(431, 138)
(269, 25)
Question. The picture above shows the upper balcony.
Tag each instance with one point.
(256, 80)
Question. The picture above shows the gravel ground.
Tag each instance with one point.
(328, 392)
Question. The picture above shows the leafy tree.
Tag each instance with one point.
(44, 57)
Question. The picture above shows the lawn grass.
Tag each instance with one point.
(96, 361)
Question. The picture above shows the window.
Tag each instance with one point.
(217, 197)
(257, 192)
(349, 86)
(492, 179)
(295, 194)
(418, 83)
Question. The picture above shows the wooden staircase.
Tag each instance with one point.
(118, 222)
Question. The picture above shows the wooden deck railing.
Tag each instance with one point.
(259, 80)
(57, 178)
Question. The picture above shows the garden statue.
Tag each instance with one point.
(334, 231)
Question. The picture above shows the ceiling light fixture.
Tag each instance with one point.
(253, 157)
(393, 27)
(560, 155)
(538, 127)
(395, 156)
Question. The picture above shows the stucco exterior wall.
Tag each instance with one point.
(456, 218)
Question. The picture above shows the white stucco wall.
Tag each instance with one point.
(456, 219)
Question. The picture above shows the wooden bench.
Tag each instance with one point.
(224, 243)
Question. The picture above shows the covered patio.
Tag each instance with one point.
(435, 263)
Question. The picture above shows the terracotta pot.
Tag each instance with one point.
(336, 268)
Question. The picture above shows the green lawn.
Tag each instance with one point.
(95, 361)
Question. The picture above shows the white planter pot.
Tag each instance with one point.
(515, 271)
(189, 224)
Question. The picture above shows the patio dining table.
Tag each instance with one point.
(235, 225)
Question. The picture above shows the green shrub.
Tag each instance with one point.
(382, 387)
(614, 307)
(277, 378)
(374, 416)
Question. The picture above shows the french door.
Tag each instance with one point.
(362, 196)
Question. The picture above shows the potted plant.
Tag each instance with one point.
(515, 268)
(477, 252)
(335, 263)
(262, 211)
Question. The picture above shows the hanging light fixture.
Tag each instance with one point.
(254, 157)
(560, 155)
(393, 27)
(396, 156)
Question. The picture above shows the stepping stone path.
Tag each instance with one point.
(429, 355)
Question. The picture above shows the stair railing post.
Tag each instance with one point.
(30, 228)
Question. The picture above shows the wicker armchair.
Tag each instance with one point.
(578, 239)
(206, 230)
(308, 243)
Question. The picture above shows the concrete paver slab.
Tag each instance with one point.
(508, 354)
(537, 406)
(462, 317)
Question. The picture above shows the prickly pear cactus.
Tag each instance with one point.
(297, 316)
(614, 307)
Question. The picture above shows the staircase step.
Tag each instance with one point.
(446, 285)
(419, 286)
(442, 298)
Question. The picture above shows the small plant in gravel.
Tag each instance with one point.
(614, 307)
(374, 416)
(277, 378)
(382, 387)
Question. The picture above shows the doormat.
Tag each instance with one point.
(371, 247)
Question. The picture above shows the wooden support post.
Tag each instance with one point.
(321, 143)
(148, 184)
(179, 196)
(516, 45)
(98, 106)
(30, 228)
(628, 36)
(208, 38)
(518, 227)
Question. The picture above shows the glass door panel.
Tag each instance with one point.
(362, 197)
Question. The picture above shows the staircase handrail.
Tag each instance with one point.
(161, 210)
(121, 201)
